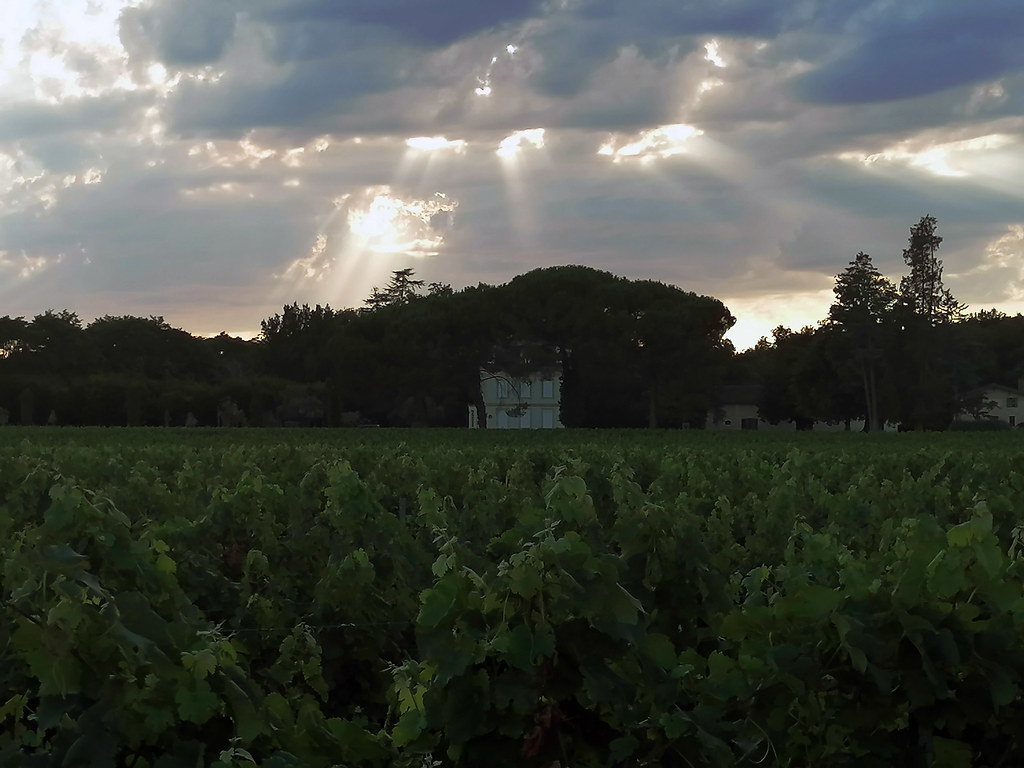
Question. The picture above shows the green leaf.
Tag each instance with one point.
(676, 724)
(138, 616)
(950, 753)
(63, 555)
(814, 602)
(989, 556)
(734, 627)
(517, 647)
(280, 710)
(1004, 690)
(14, 707)
(407, 729)
(66, 614)
(58, 675)
(196, 704)
(437, 601)
(185, 754)
(200, 663)
(95, 748)
(659, 649)
(719, 665)
(87, 579)
(525, 580)
(960, 535)
(360, 745)
(622, 606)
(622, 748)
(63, 506)
(248, 724)
(543, 641)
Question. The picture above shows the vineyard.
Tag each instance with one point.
(455, 598)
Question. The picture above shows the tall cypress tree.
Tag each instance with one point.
(930, 390)
(922, 291)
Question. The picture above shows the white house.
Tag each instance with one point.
(519, 403)
(998, 402)
(739, 409)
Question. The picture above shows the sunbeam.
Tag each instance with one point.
(519, 204)
(365, 236)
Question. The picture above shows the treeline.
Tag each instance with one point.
(630, 353)
(905, 354)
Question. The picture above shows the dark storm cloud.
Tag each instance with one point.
(57, 154)
(433, 23)
(955, 45)
(311, 95)
(99, 114)
(179, 32)
(576, 43)
(140, 231)
(876, 195)
(743, 18)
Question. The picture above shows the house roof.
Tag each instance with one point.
(984, 388)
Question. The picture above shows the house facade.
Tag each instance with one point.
(997, 402)
(739, 409)
(519, 403)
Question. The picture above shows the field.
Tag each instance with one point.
(434, 598)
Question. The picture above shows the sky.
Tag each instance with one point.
(212, 160)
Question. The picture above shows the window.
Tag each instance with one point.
(1011, 402)
(502, 389)
(547, 388)
(526, 390)
(548, 418)
(1013, 421)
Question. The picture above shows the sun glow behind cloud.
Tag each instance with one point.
(396, 226)
(377, 221)
(756, 316)
(433, 143)
(512, 144)
(647, 146)
(23, 265)
(365, 236)
(941, 158)
(711, 54)
(36, 49)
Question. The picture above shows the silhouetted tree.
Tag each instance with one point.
(401, 289)
(927, 351)
(862, 309)
(922, 291)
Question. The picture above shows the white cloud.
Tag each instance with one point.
(390, 224)
(22, 264)
(711, 53)
(511, 145)
(646, 146)
(432, 143)
(999, 278)
(933, 155)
